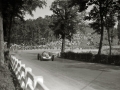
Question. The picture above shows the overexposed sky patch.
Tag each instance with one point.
(41, 12)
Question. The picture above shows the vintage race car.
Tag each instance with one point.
(45, 56)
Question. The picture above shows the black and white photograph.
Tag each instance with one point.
(59, 44)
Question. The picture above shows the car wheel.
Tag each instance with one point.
(38, 56)
(52, 58)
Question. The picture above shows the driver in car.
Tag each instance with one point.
(45, 54)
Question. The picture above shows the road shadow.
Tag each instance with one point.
(87, 65)
(94, 66)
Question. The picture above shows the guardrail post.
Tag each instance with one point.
(26, 78)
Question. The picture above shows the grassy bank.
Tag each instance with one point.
(8, 80)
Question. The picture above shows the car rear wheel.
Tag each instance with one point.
(38, 56)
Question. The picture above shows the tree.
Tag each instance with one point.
(16, 8)
(64, 20)
(1, 37)
(118, 29)
(97, 14)
(112, 10)
(12, 9)
(48, 32)
(81, 3)
(110, 22)
(30, 31)
(117, 13)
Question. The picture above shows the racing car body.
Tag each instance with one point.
(45, 56)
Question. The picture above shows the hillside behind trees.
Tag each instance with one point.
(37, 32)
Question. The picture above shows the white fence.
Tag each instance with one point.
(26, 78)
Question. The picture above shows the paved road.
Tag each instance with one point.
(64, 74)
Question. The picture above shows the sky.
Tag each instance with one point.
(41, 12)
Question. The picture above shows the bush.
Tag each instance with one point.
(77, 56)
(89, 57)
(100, 58)
(114, 59)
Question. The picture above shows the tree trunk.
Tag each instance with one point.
(102, 29)
(63, 44)
(9, 34)
(109, 41)
(1, 41)
(100, 45)
(118, 29)
(109, 36)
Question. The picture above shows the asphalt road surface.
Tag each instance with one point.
(63, 74)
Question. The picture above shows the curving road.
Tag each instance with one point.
(63, 74)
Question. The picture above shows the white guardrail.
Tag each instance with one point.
(26, 78)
